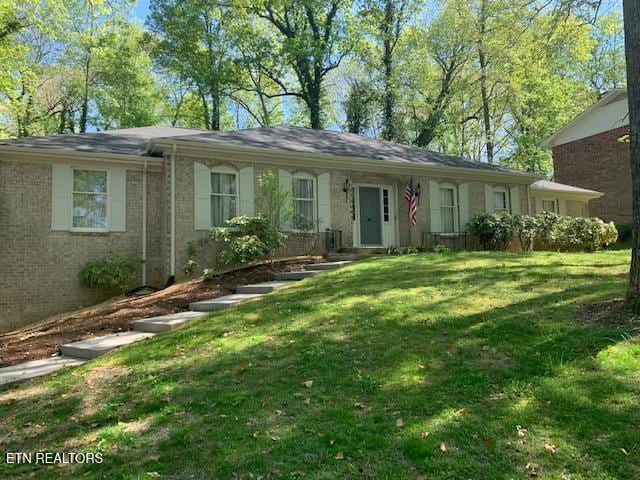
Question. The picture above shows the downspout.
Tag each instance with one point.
(173, 210)
(144, 223)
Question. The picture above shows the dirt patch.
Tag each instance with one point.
(611, 312)
(44, 340)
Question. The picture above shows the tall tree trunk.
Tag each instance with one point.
(632, 47)
(484, 93)
(312, 99)
(84, 106)
(215, 105)
(388, 130)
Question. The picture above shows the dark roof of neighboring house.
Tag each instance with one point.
(546, 185)
(139, 141)
(127, 141)
(324, 142)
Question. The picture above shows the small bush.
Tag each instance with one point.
(562, 233)
(443, 249)
(494, 230)
(624, 232)
(245, 239)
(112, 274)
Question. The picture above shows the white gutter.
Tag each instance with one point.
(173, 209)
(144, 223)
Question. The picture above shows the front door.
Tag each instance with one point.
(370, 218)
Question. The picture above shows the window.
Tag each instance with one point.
(549, 205)
(89, 199)
(500, 200)
(448, 209)
(224, 196)
(385, 204)
(303, 203)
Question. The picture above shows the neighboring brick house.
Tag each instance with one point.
(147, 192)
(588, 153)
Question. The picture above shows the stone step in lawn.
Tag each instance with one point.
(221, 303)
(97, 347)
(264, 287)
(165, 322)
(327, 265)
(36, 368)
(296, 275)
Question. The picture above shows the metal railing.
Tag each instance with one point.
(333, 240)
(454, 241)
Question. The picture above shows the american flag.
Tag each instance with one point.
(410, 197)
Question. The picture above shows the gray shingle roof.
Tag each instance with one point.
(306, 140)
(128, 141)
(546, 185)
(138, 141)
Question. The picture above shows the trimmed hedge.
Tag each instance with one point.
(552, 231)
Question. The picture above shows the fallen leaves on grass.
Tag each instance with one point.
(399, 423)
(425, 434)
(339, 456)
(550, 447)
(443, 447)
(521, 432)
(308, 384)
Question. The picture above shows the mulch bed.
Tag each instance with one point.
(612, 312)
(44, 340)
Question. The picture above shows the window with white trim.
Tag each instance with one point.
(549, 205)
(90, 200)
(500, 200)
(304, 197)
(224, 195)
(448, 209)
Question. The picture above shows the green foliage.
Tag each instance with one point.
(624, 232)
(441, 249)
(245, 239)
(557, 232)
(111, 274)
(494, 230)
(525, 227)
(273, 202)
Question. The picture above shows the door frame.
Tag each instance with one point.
(389, 228)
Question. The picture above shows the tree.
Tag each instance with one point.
(632, 47)
(192, 41)
(312, 41)
(359, 106)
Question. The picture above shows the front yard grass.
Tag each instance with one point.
(460, 366)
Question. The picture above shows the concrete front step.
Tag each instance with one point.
(264, 287)
(97, 347)
(287, 276)
(221, 303)
(35, 368)
(326, 265)
(165, 322)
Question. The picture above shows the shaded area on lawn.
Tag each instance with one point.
(42, 341)
(462, 348)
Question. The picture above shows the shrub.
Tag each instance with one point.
(441, 249)
(624, 232)
(574, 233)
(526, 228)
(112, 274)
(273, 202)
(551, 229)
(245, 239)
(494, 230)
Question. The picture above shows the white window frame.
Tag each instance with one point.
(73, 192)
(314, 200)
(555, 204)
(455, 207)
(226, 171)
(507, 200)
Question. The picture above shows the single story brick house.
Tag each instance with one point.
(589, 152)
(147, 192)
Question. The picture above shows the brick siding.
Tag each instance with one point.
(599, 163)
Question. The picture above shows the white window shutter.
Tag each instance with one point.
(117, 200)
(562, 206)
(202, 196)
(514, 193)
(285, 181)
(324, 201)
(489, 200)
(247, 191)
(61, 197)
(463, 205)
(434, 207)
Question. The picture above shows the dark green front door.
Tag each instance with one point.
(370, 218)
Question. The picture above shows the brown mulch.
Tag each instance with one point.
(611, 312)
(44, 340)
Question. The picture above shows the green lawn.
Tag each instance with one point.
(462, 366)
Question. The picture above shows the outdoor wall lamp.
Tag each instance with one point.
(417, 194)
(346, 186)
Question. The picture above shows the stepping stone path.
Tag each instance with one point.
(77, 353)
